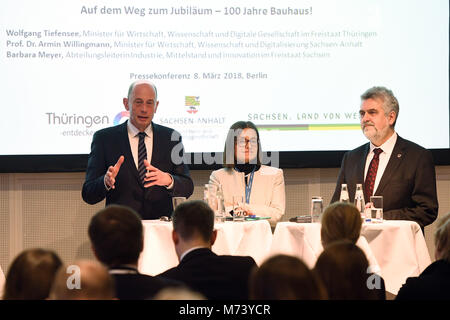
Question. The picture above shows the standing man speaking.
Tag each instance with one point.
(132, 163)
(390, 166)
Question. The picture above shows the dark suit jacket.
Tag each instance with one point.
(216, 277)
(408, 184)
(432, 284)
(151, 203)
(136, 286)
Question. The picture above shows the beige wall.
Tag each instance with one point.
(46, 209)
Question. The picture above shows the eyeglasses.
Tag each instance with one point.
(243, 142)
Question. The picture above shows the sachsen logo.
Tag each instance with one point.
(121, 117)
(192, 102)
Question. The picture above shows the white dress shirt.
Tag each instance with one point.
(387, 148)
(133, 136)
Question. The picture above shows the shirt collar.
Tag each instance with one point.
(124, 269)
(388, 145)
(189, 250)
(135, 131)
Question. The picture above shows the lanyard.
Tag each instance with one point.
(248, 187)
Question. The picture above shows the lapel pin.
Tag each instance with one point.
(399, 155)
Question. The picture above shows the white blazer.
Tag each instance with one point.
(267, 197)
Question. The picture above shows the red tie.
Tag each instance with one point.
(372, 173)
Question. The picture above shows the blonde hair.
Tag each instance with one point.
(340, 221)
(442, 237)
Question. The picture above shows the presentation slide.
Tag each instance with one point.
(296, 69)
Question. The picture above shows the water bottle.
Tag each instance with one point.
(206, 193)
(220, 215)
(212, 197)
(344, 194)
(359, 200)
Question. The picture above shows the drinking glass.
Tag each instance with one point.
(376, 211)
(238, 208)
(177, 200)
(316, 208)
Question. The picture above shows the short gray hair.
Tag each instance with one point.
(138, 82)
(390, 102)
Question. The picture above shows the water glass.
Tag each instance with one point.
(177, 200)
(316, 208)
(376, 210)
(238, 208)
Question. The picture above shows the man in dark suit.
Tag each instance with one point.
(116, 235)
(390, 166)
(138, 163)
(216, 277)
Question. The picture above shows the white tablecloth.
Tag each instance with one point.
(398, 247)
(303, 240)
(250, 238)
(2, 282)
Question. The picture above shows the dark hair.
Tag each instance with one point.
(192, 219)
(116, 235)
(340, 221)
(31, 275)
(343, 269)
(284, 277)
(230, 143)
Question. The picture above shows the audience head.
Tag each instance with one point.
(116, 234)
(284, 277)
(178, 293)
(84, 280)
(31, 274)
(442, 238)
(193, 225)
(340, 221)
(343, 269)
(242, 145)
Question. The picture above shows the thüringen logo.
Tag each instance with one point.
(121, 117)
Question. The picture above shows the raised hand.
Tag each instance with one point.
(110, 176)
(156, 177)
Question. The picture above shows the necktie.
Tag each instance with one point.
(372, 173)
(142, 155)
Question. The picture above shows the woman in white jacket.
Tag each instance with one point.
(261, 186)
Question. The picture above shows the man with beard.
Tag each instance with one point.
(390, 166)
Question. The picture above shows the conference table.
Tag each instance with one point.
(249, 238)
(2, 282)
(399, 247)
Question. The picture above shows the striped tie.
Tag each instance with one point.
(372, 173)
(142, 155)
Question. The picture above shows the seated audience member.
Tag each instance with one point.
(342, 267)
(31, 274)
(284, 277)
(178, 293)
(434, 282)
(216, 277)
(84, 280)
(116, 235)
(342, 221)
(243, 174)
